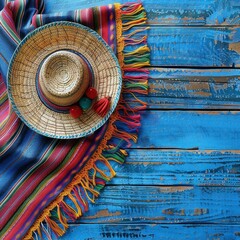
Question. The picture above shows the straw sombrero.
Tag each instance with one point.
(53, 70)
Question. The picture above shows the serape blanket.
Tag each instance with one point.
(44, 182)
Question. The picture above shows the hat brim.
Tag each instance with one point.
(23, 69)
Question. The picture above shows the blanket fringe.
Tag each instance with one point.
(133, 54)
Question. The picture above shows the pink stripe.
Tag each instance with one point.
(13, 140)
(86, 17)
(3, 88)
(25, 174)
(32, 182)
(7, 16)
(4, 111)
(104, 22)
(48, 188)
(12, 126)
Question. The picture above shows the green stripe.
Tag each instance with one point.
(36, 191)
(2, 149)
(127, 18)
(3, 99)
(33, 170)
(38, 20)
(96, 19)
(20, 14)
(9, 30)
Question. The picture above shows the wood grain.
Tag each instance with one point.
(213, 130)
(182, 103)
(169, 12)
(177, 167)
(194, 46)
(186, 88)
(166, 204)
(215, 84)
(152, 232)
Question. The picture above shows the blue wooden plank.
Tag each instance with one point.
(169, 12)
(193, 88)
(164, 103)
(185, 12)
(167, 204)
(177, 167)
(194, 46)
(151, 232)
(212, 84)
(214, 130)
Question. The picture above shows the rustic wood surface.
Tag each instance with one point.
(181, 180)
(186, 88)
(194, 46)
(153, 231)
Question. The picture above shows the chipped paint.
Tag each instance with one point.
(235, 47)
(200, 211)
(209, 112)
(104, 213)
(175, 212)
(175, 189)
(197, 86)
(203, 94)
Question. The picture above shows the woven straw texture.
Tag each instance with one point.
(63, 78)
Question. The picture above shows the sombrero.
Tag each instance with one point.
(64, 81)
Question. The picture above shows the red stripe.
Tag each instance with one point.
(16, 7)
(90, 20)
(86, 17)
(34, 21)
(29, 170)
(64, 174)
(7, 16)
(11, 126)
(3, 88)
(32, 182)
(4, 109)
(104, 22)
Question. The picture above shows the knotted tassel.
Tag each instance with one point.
(102, 106)
(54, 226)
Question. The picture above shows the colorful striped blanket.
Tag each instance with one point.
(44, 182)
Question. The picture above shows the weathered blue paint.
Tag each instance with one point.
(193, 88)
(164, 103)
(179, 167)
(211, 84)
(168, 204)
(175, 12)
(169, 12)
(194, 46)
(153, 232)
(190, 129)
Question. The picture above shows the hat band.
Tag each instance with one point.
(45, 100)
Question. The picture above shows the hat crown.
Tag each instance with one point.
(63, 78)
(62, 74)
